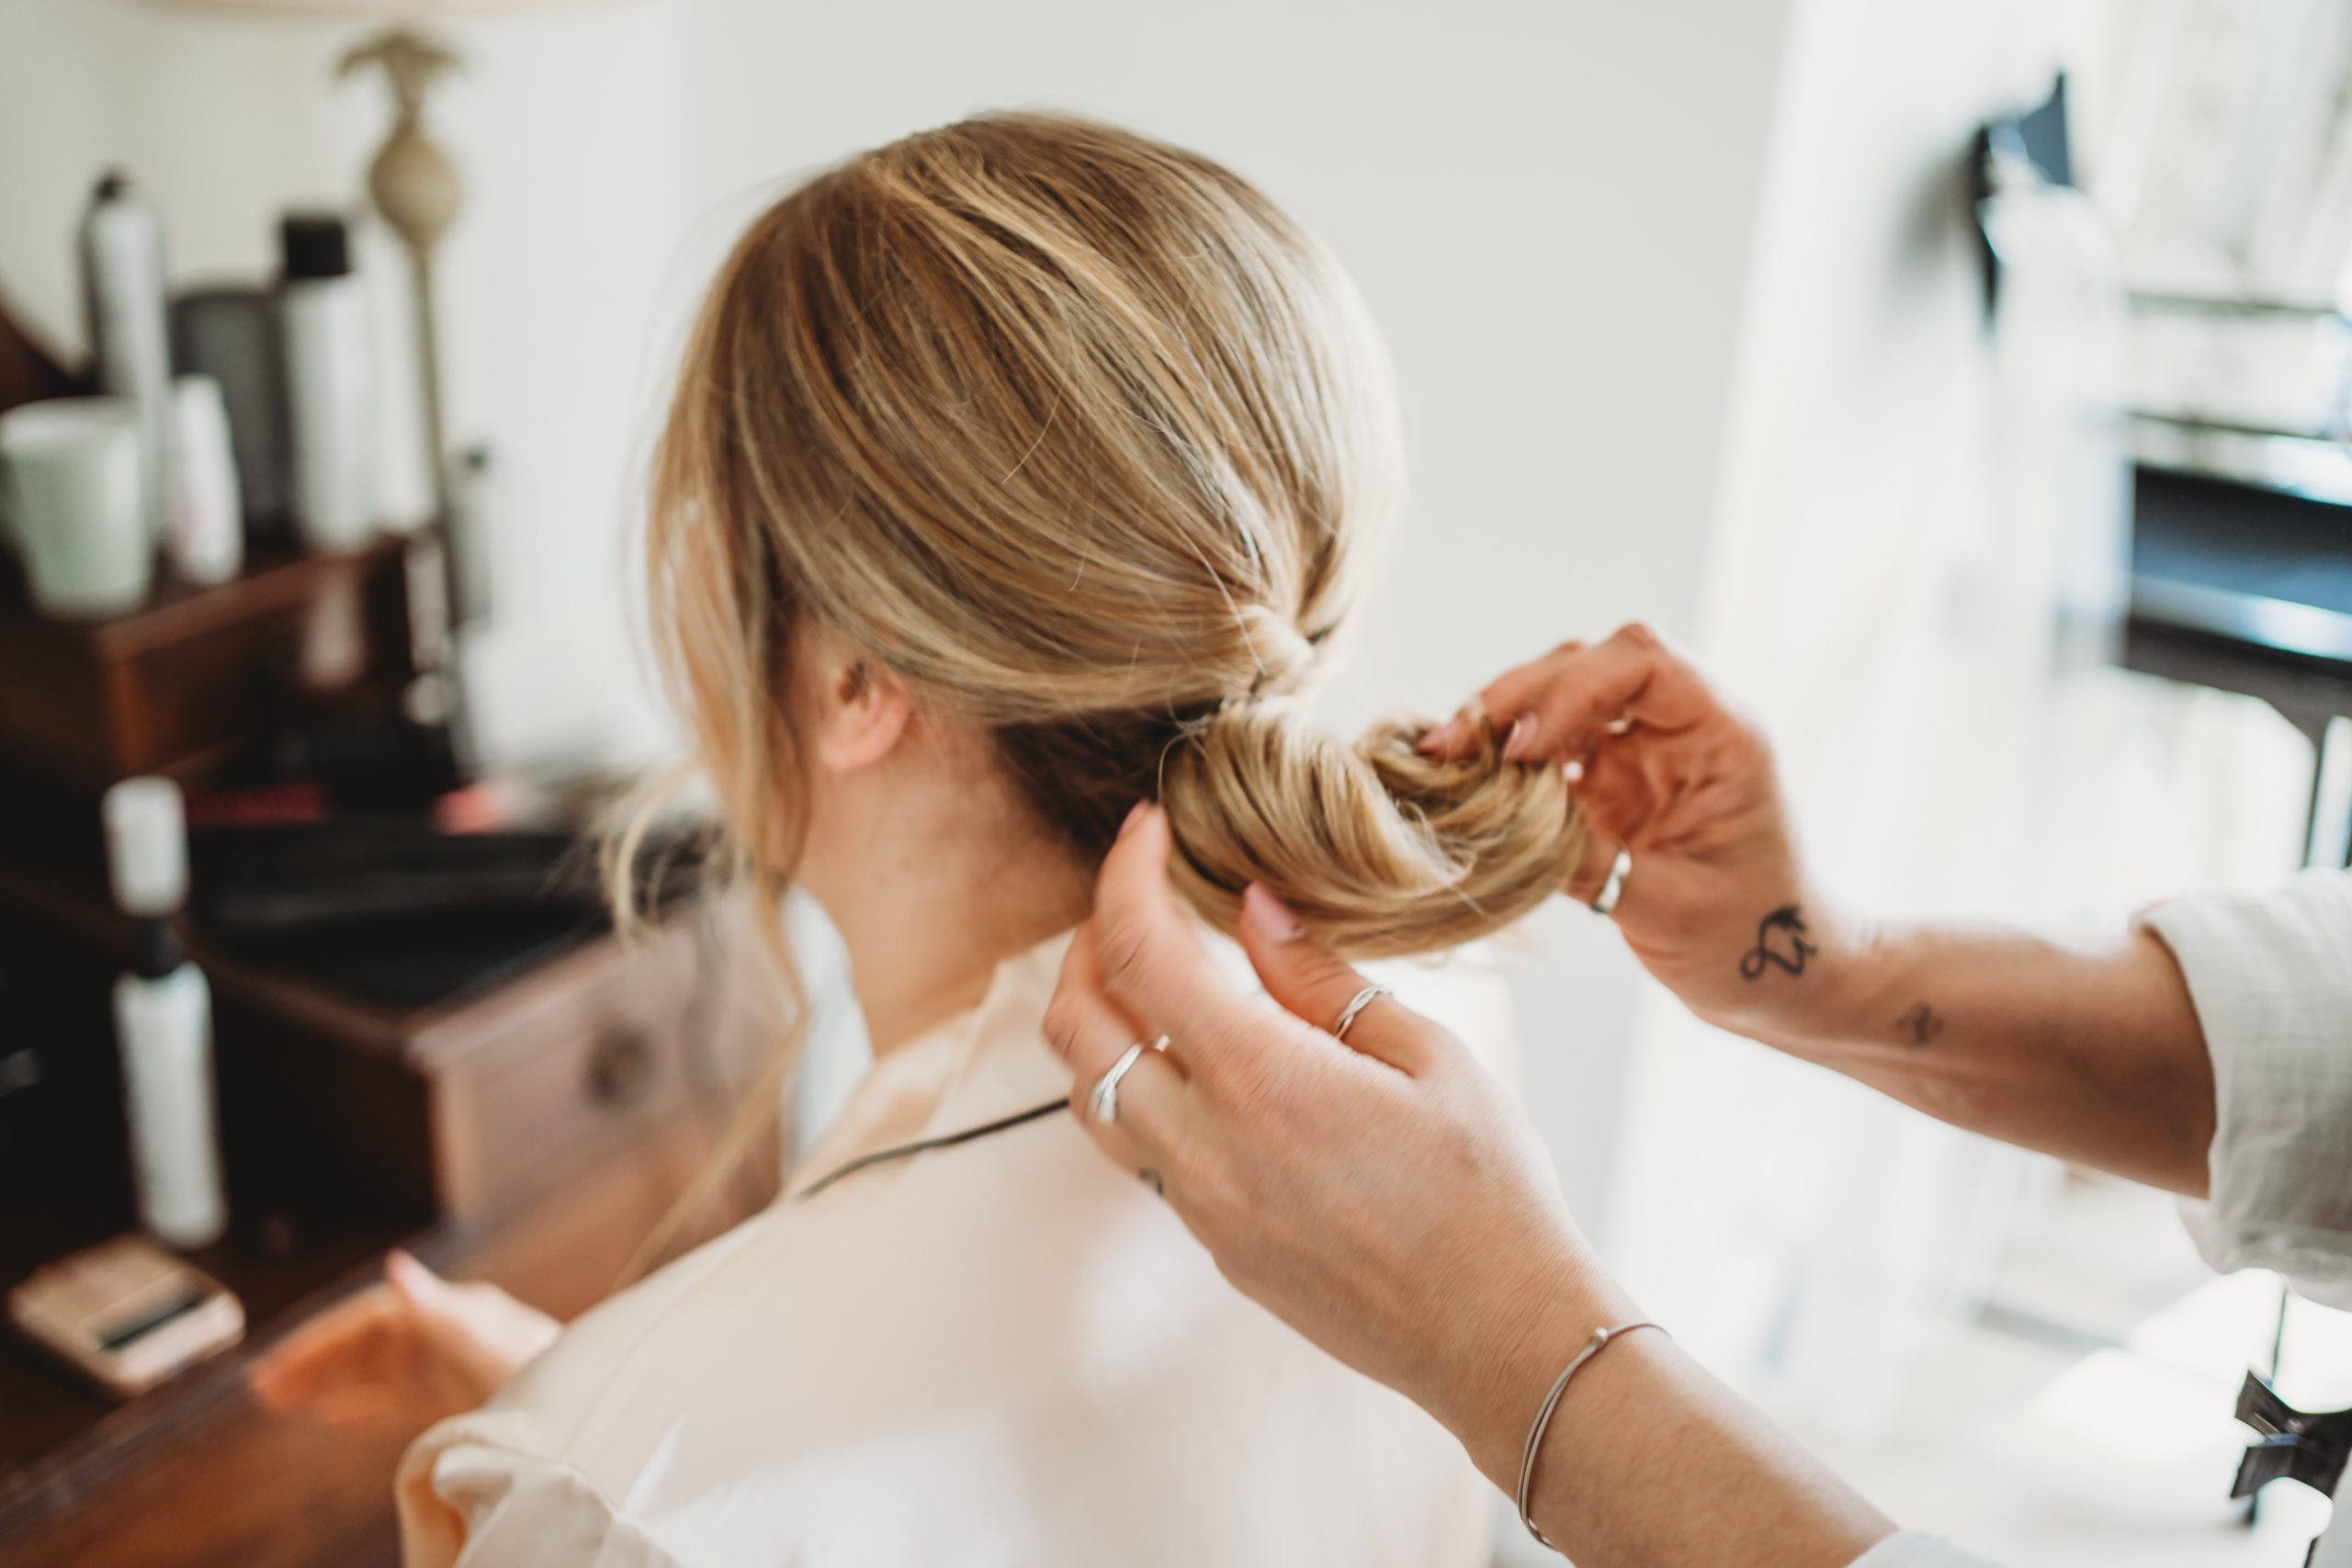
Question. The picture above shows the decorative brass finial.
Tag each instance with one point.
(417, 188)
(411, 59)
(414, 185)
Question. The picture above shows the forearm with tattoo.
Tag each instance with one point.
(2094, 1054)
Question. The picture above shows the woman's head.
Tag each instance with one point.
(1084, 443)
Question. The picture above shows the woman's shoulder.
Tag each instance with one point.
(1013, 1300)
(545, 1404)
(502, 1474)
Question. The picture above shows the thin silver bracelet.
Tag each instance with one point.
(1592, 1346)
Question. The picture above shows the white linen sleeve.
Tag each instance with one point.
(2271, 978)
(1912, 1550)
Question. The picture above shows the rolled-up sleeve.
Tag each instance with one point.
(1912, 1550)
(2271, 978)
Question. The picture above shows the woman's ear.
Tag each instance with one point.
(863, 710)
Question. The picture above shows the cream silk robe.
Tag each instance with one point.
(1004, 1352)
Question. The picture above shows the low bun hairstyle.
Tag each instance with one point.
(1378, 849)
(1089, 443)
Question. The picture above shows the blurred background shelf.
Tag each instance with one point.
(529, 1131)
(176, 686)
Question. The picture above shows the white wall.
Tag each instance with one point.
(1548, 205)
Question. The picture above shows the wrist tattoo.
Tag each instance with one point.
(1920, 1025)
(1779, 944)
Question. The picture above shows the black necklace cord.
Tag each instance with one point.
(922, 1146)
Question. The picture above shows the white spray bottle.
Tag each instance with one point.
(162, 1016)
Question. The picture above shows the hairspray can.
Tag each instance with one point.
(122, 291)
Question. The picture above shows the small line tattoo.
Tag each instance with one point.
(1779, 944)
(1921, 1024)
(1150, 1178)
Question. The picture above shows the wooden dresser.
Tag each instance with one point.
(529, 1130)
(531, 1133)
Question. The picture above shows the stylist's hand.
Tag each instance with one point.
(1718, 906)
(408, 1351)
(1385, 1197)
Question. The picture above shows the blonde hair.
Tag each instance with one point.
(1089, 443)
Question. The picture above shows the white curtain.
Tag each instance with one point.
(1920, 557)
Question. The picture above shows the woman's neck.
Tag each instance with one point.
(928, 918)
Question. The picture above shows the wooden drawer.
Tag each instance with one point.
(533, 1134)
(584, 1058)
(179, 682)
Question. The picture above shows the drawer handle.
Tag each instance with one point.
(620, 1066)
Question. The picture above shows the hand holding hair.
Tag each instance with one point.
(1384, 1198)
(1717, 904)
(2092, 1053)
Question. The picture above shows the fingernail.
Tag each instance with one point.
(1439, 740)
(1134, 815)
(1268, 913)
(1521, 737)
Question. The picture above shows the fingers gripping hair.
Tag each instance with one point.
(1317, 987)
(1575, 692)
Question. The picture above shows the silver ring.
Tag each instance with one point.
(1621, 870)
(1105, 1102)
(1356, 1004)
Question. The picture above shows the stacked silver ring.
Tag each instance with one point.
(1613, 888)
(1356, 1004)
(1104, 1104)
